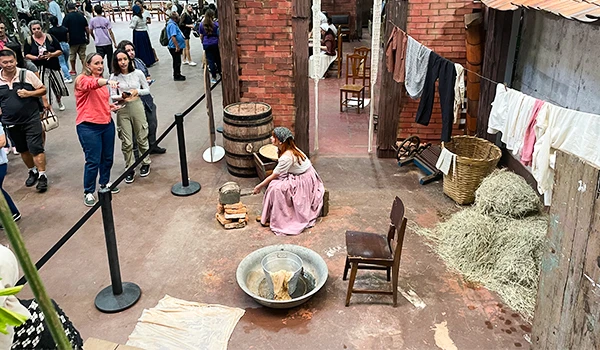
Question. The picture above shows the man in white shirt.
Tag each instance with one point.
(24, 10)
(54, 9)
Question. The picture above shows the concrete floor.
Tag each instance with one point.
(173, 245)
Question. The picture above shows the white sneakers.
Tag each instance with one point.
(68, 80)
(61, 106)
(191, 63)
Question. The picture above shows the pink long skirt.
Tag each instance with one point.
(293, 202)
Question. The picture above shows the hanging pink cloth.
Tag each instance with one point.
(529, 139)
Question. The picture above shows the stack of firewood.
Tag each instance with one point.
(232, 215)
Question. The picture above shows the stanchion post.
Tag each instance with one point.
(118, 296)
(185, 187)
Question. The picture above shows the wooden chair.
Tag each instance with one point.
(371, 251)
(353, 63)
(366, 69)
(340, 55)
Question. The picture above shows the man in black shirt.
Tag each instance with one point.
(79, 35)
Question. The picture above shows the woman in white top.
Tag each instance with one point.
(294, 195)
(141, 39)
(131, 118)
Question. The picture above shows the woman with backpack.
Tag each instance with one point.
(141, 39)
(209, 34)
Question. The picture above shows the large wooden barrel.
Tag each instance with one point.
(247, 126)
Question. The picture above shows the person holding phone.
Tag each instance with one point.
(131, 118)
(95, 127)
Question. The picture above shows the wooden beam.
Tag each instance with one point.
(497, 41)
(391, 93)
(301, 12)
(229, 52)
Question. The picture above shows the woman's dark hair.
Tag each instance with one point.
(208, 24)
(124, 43)
(54, 21)
(98, 9)
(137, 11)
(115, 63)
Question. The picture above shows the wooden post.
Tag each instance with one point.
(229, 53)
(391, 93)
(300, 18)
(568, 299)
(497, 40)
(474, 35)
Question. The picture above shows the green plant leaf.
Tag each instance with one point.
(10, 318)
(10, 291)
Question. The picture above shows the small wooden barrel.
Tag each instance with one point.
(247, 126)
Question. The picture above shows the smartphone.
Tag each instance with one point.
(151, 82)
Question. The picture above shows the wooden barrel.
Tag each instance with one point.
(247, 126)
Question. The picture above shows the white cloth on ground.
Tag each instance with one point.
(417, 60)
(459, 91)
(557, 128)
(446, 161)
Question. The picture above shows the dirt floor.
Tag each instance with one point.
(173, 245)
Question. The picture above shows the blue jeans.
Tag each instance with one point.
(98, 143)
(63, 59)
(11, 204)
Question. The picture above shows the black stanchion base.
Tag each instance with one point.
(179, 190)
(107, 302)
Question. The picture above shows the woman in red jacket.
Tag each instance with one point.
(95, 127)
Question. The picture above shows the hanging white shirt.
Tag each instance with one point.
(459, 91)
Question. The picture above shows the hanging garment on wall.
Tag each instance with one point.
(497, 118)
(530, 138)
(516, 131)
(459, 91)
(417, 58)
(395, 53)
(438, 67)
(506, 109)
(574, 132)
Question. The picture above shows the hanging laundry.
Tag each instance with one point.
(529, 138)
(516, 132)
(417, 58)
(459, 91)
(446, 161)
(395, 53)
(505, 111)
(438, 67)
(574, 132)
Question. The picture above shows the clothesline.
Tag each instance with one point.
(468, 70)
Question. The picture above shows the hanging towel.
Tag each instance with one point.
(529, 139)
(459, 91)
(417, 58)
(444, 69)
(566, 130)
(396, 54)
(516, 132)
(506, 107)
(446, 161)
(497, 119)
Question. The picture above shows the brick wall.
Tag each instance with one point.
(264, 38)
(341, 7)
(439, 25)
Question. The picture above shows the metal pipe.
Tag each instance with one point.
(185, 181)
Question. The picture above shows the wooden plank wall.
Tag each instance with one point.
(567, 314)
(229, 52)
(391, 100)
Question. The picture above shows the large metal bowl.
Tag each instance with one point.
(250, 274)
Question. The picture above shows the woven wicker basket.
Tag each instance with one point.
(475, 159)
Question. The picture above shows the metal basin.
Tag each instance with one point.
(251, 277)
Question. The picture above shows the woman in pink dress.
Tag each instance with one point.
(294, 195)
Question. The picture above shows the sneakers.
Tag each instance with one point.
(17, 217)
(192, 63)
(130, 177)
(15, 152)
(213, 80)
(68, 80)
(42, 184)
(73, 73)
(32, 179)
(61, 106)
(179, 78)
(89, 200)
(185, 62)
(145, 170)
(113, 190)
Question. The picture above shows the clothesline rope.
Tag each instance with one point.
(468, 70)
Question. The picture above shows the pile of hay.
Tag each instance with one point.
(498, 242)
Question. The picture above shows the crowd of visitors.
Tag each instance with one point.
(34, 74)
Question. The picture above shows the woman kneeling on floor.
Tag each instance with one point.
(294, 195)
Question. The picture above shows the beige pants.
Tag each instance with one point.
(131, 120)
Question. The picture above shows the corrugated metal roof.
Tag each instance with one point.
(581, 10)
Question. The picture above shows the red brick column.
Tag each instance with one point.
(265, 47)
(439, 25)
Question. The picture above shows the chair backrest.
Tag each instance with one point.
(353, 64)
(363, 51)
(340, 38)
(397, 229)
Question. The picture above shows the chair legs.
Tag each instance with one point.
(395, 286)
(388, 274)
(345, 277)
(351, 283)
